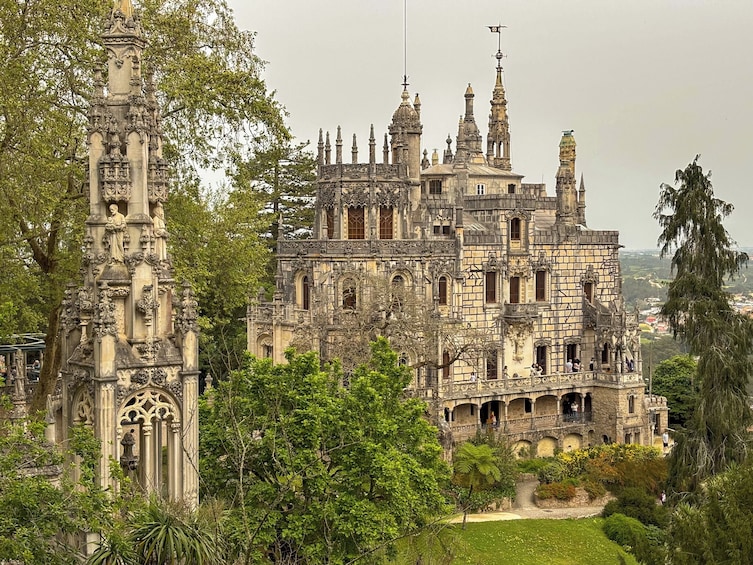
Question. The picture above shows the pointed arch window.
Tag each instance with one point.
(386, 228)
(356, 223)
(305, 293)
(349, 294)
(442, 291)
(330, 223)
(515, 230)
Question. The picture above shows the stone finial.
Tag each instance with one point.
(354, 151)
(372, 145)
(320, 149)
(339, 147)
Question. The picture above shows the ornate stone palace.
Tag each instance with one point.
(530, 332)
(130, 350)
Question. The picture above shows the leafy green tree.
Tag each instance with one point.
(675, 378)
(41, 507)
(476, 467)
(315, 472)
(699, 312)
(211, 95)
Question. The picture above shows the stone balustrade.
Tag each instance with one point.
(455, 390)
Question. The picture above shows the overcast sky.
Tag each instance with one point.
(645, 84)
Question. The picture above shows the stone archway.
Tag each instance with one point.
(546, 447)
(522, 448)
(152, 418)
(571, 442)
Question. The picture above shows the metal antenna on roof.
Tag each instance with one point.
(405, 44)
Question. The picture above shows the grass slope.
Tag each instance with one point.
(539, 542)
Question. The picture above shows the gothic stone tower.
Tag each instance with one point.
(130, 348)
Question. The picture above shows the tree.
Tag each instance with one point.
(675, 378)
(699, 312)
(211, 96)
(42, 508)
(719, 527)
(475, 467)
(405, 316)
(283, 177)
(314, 472)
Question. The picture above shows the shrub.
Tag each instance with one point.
(533, 465)
(630, 533)
(595, 489)
(553, 472)
(558, 490)
(648, 475)
(637, 503)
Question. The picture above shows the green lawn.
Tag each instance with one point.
(539, 542)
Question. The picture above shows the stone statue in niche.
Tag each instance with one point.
(160, 232)
(115, 228)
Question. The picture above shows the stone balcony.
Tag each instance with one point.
(546, 422)
(520, 312)
(510, 385)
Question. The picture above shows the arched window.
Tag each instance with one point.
(305, 293)
(445, 364)
(330, 223)
(397, 293)
(442, 291)
(385, 222)
(515, 229)
(356, 223)
(349, 294)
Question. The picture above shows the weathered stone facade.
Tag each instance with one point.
(515, 285)
(130, 348)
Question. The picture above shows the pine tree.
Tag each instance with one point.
(699, 311)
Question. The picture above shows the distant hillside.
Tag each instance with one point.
(645, 276)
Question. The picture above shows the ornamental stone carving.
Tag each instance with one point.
(186, 319)
(104, 316)
(147, 303)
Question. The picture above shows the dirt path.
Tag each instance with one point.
(524, 508)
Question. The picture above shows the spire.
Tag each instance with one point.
(582, 202)
(498, 138)
(339, 147)
(320, 149)
(354, 151)
(405, 135)
(469, 137)
(372, 145)
(447, 156)
(327, 151)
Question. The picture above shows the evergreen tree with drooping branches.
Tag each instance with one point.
(698, 309)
